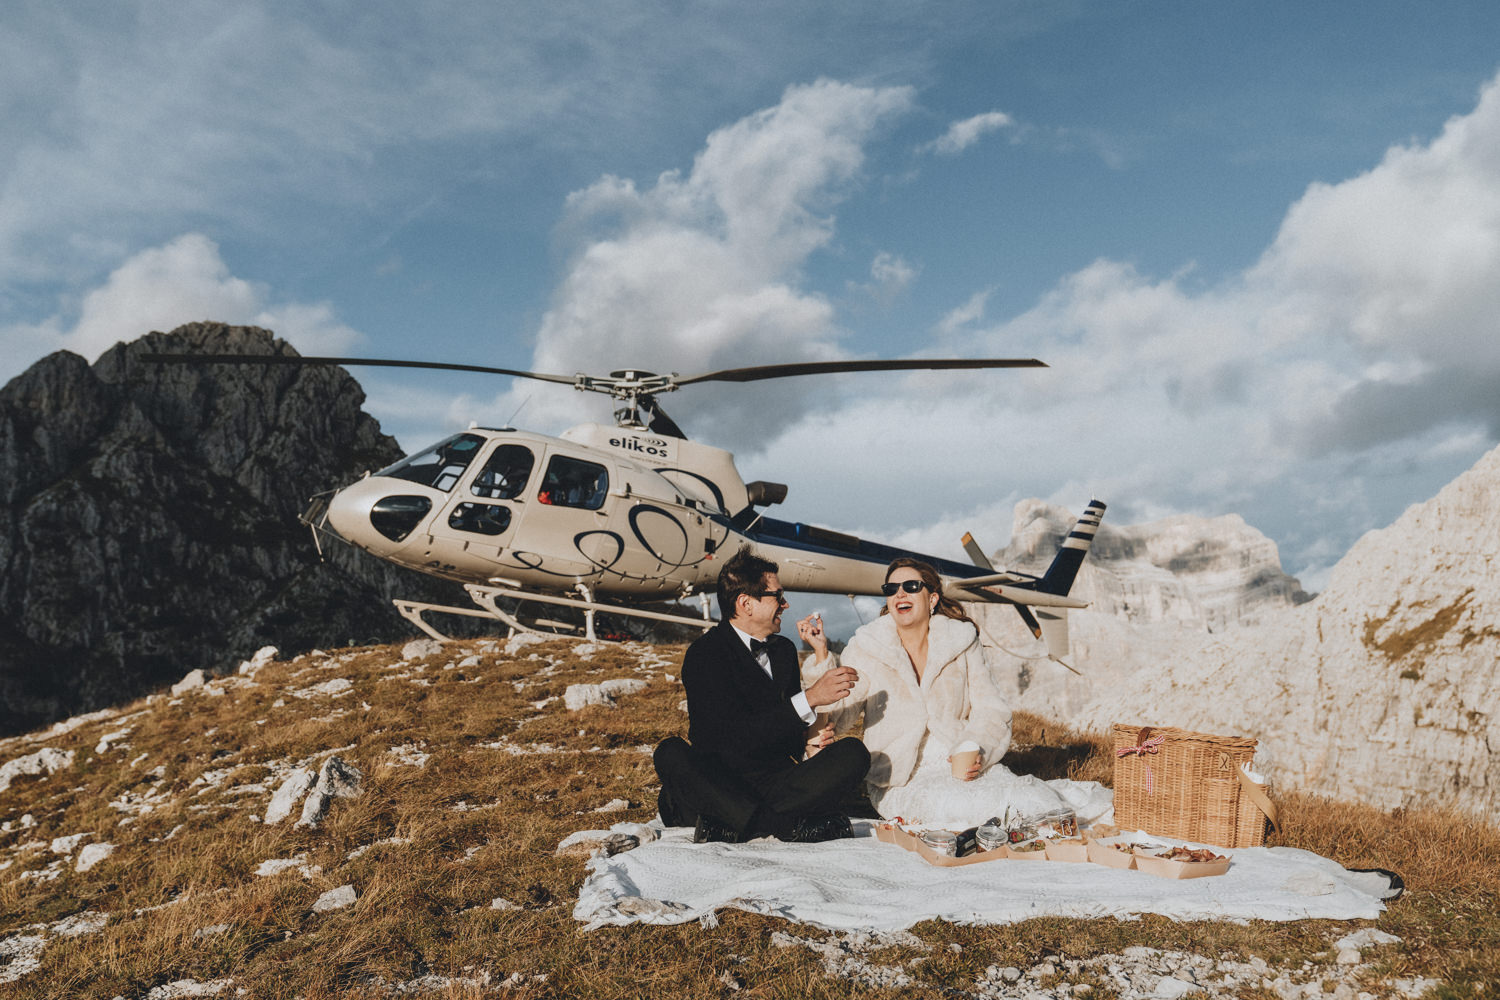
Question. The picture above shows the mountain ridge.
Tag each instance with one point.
(148, 519)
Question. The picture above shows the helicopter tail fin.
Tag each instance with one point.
(1064, 569)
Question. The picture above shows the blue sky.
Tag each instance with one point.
(1258, 243)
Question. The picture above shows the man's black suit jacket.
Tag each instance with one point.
(735, 712)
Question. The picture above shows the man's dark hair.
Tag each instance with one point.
(744, 573)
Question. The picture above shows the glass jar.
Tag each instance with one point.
(1062, 821)
(991, 836)
(941, 842)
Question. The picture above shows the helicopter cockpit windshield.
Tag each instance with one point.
(440, 466)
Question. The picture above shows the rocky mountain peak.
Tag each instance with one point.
(1203, 573)
(148, 518)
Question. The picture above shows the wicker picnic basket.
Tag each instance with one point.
(1181, 784)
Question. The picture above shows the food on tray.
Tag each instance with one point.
(1028, 847)
(1188, 854)
(1180, 853)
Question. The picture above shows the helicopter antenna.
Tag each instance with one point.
(512, 421)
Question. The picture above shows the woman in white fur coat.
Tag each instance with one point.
(926, 691)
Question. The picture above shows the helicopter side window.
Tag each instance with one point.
(570, 482)
(480, 518)
(504, 476)
(439, 466)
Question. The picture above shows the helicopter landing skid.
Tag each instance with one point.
(487, 598)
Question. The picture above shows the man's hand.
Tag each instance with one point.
(810, 629)
(831, 687)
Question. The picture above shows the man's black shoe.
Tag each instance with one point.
(816, 829)
(709, 829)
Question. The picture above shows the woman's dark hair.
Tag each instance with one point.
(946, 606)
(744, 573)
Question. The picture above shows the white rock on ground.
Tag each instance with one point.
(335, 899)
(91, 855)
(420, 649)
(263, 655)
(193, 679)
(336, 780)
(604, 693)
(289, 794)
(182, 988)
(109, 739)
(67, 845)
(44, 761)
(275, 866)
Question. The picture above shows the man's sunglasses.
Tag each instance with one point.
(778, 595)
(910, 586)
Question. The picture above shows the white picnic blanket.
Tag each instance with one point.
(864, 884)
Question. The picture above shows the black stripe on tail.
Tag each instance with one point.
(1060, 575)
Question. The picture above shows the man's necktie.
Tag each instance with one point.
(758, 646)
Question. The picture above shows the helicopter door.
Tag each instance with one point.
(567, 527)
(480, 520)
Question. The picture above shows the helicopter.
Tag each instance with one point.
(603, 518)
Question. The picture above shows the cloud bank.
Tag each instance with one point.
(163, 287)
(1358, 349)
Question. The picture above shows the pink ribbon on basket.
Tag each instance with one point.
(1146, 746)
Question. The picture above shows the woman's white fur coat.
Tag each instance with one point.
(957, 699)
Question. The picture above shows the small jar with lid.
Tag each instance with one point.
(942, 842)
(990, 837)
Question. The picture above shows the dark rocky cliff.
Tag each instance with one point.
(148, 520)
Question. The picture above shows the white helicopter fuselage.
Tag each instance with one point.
(621, 511)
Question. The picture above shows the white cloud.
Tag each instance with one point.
(141, 119)
(702, 271)
(963, 134)
(972, 311)
(890, 276)
(1357, 355)
(163, 287)
(890, 272)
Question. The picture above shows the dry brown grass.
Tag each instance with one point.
(478, 823)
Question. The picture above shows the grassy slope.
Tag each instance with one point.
(479, 823)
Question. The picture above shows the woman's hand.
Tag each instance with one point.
(974, 768)
(810, 629)
(819, 737)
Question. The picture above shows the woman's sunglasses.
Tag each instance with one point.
(910, 586)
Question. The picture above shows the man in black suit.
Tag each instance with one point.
(747, 772)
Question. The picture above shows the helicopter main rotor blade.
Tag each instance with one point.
(758, 372)
(288, 359)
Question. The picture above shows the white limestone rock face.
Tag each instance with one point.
(1208, 573)
(1382, 690)
(1150, 587)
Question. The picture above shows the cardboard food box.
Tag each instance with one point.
(1040, 854)
(1067, 850)
(1109, 855)
(1163, 868)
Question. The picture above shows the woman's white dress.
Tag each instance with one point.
(934, 797)
(911, 726)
